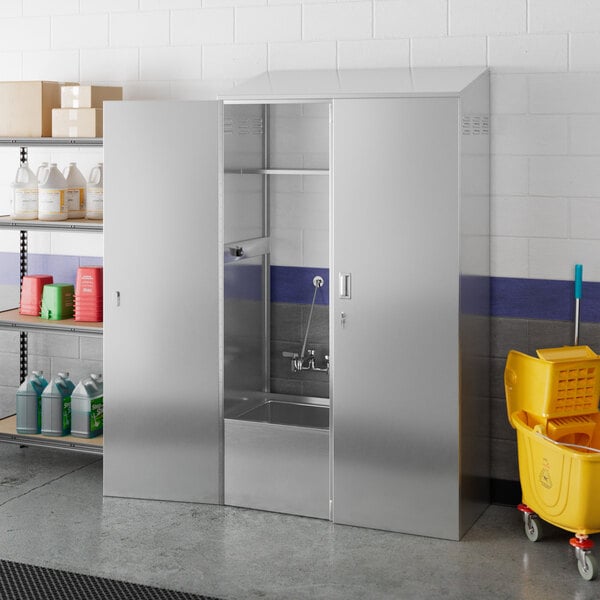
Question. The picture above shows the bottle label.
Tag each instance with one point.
(66, 414)
(96, 414)
(74, 197)
(25, 203)
(95, 202)
(52, 202)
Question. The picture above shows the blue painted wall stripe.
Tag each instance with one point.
(509, 296)
(295, 285)
(543, 299)
(63, 268)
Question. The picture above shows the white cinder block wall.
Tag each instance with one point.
(544, 56)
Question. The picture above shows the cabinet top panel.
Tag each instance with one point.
(354, 83)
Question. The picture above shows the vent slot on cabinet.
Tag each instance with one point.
(250, 126)
(475, 125)
(243, 126)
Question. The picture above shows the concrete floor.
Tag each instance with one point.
(52, 513)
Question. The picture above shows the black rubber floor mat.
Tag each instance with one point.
(19, 581)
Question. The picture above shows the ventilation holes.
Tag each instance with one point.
(475, 125)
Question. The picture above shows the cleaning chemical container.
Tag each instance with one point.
(52, 190)
(40, 170)
(95, 194)
(24, 201)
(88, 294)
(76, 188)
(87, 407)
(31, 293)
(56, 406)
(29, 403)
(57, 301)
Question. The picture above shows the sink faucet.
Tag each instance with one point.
(299, 363)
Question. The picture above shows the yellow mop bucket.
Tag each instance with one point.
(552, 402)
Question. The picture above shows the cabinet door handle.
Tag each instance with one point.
(118, 298)
(345, 285)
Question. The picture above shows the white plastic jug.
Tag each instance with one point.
(76, 187)
(24, 200)
(56, 405)
(87, 407)
(52, 191)
(40, 170)
(95, 194)
(29, 403)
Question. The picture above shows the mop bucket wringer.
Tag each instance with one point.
(552, 402)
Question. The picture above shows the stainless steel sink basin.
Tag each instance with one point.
(289, 413)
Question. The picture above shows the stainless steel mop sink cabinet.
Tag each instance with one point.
(195, 197)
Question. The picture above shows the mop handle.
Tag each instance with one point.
(578, 288)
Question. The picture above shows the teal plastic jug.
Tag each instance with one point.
(87, 407)
(29, 403)
(56, 406)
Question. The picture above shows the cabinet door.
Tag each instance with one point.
(162, 300)
(395, 338)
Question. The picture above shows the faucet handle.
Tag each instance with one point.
(290, 354)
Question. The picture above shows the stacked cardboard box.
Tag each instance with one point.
(80, 114)
(26, 108)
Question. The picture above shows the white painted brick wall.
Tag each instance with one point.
(306, 55)
(528, 52)
(208, 25)
(139, 29)
(370, 54)
(564, 15)
(406, 18)
(53, 65)
(544, 56)
(10, 65)
(449, 51)
(487, 17)
(80, 31)
(32, 8)
(342, 21)
(268, 24)
(25, 33)
(584, 52)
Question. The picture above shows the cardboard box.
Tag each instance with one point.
(26, 108)
(88, 96)
(77, 122)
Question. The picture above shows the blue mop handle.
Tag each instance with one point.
(578, 288)
(578, 281)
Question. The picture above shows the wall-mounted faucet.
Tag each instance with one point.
(305, 361)
(306, 364)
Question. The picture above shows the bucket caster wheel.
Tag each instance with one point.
(586, 561)
(588, 567)
(532, 523)
(533, 527)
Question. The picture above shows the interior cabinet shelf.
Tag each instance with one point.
(8, 433)
(12, 319)
(34, 224)
(50, 141)
(277, 171)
